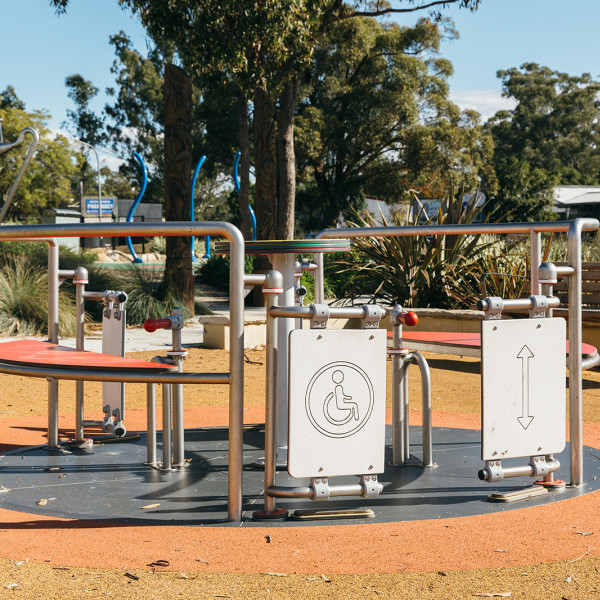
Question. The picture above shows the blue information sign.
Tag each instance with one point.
(91, 206)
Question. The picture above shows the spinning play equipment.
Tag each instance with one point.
(325, 411)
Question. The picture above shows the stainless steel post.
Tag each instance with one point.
(272, 288)
(319, 278)
(166, 428)
(284, 263)
(535, 246)
(426, 424)
(398, 457)
(236, 369)
(178, 425)
(53, 337)
(151, 423)
(80, 279)
(575, 359)
(405, 400)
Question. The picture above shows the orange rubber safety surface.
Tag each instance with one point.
(523, 536)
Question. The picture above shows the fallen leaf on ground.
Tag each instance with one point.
(159, 563)
(585, 532)
(325, 579)
(201, 560)
(275, 574)
(42, 501)
(151, 505)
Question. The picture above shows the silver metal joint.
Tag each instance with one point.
(320, 488)
(548, 273)
(320, 316)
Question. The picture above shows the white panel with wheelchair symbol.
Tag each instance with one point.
(336, 402)
(523, 387)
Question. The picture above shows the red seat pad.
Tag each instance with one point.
(34, 353)
(453, 338)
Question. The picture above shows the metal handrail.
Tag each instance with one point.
(236, 308)
(574, 229)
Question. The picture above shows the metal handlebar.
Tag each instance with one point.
(151, 325)
(410, 319)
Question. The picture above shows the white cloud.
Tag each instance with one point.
(485, 102)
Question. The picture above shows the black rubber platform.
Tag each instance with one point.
(109, 482)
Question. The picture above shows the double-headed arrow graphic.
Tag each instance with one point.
(525, 419)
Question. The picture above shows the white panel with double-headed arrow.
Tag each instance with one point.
(523, 387)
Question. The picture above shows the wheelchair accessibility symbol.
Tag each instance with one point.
(339, 399)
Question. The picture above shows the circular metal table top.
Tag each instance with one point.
(288, 246)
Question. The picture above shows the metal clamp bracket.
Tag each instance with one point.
(492, 471)
(492, 306)
(371, 487)
(539, 465)
(539, 306)
(372, 315)
(320, 316)
(320, 488)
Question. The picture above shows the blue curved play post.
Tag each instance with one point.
(194, 177)
(236, 183)
(136, 258)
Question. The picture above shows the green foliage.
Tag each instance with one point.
(374, 119)
(549, 138)
(215, 271)
(24, 301)
(417, 271)
(47, 181)
(86, 125)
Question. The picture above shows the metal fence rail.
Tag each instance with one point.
(574, 230)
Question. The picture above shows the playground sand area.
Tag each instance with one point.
(545, 552)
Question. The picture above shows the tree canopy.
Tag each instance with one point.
(47, 181)
(550, 137)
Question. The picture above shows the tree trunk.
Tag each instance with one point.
(286, 161)
(244, 166)
(178, 187)
(265, 165)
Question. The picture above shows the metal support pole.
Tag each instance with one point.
(80, 279)
(273, 287)
(319, 279)
(166, 428)
(53, 337)
(285, 264)
(178, 426)
(52, 413)
(575, 359)
(426, 424)
(535, 245)
(398, 457)
(151, 423)
(236, 369)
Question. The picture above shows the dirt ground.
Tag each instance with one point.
(541, 554)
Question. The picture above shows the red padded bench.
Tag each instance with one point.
(461, 344)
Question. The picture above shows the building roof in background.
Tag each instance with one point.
(568, 195)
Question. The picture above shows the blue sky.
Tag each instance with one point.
(41, 49)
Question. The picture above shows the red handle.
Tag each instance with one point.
(410, 319)
(151, 325)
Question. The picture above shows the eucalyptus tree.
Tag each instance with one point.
(47, 181)
(550, 137)
(259, 50)
(374, 119)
